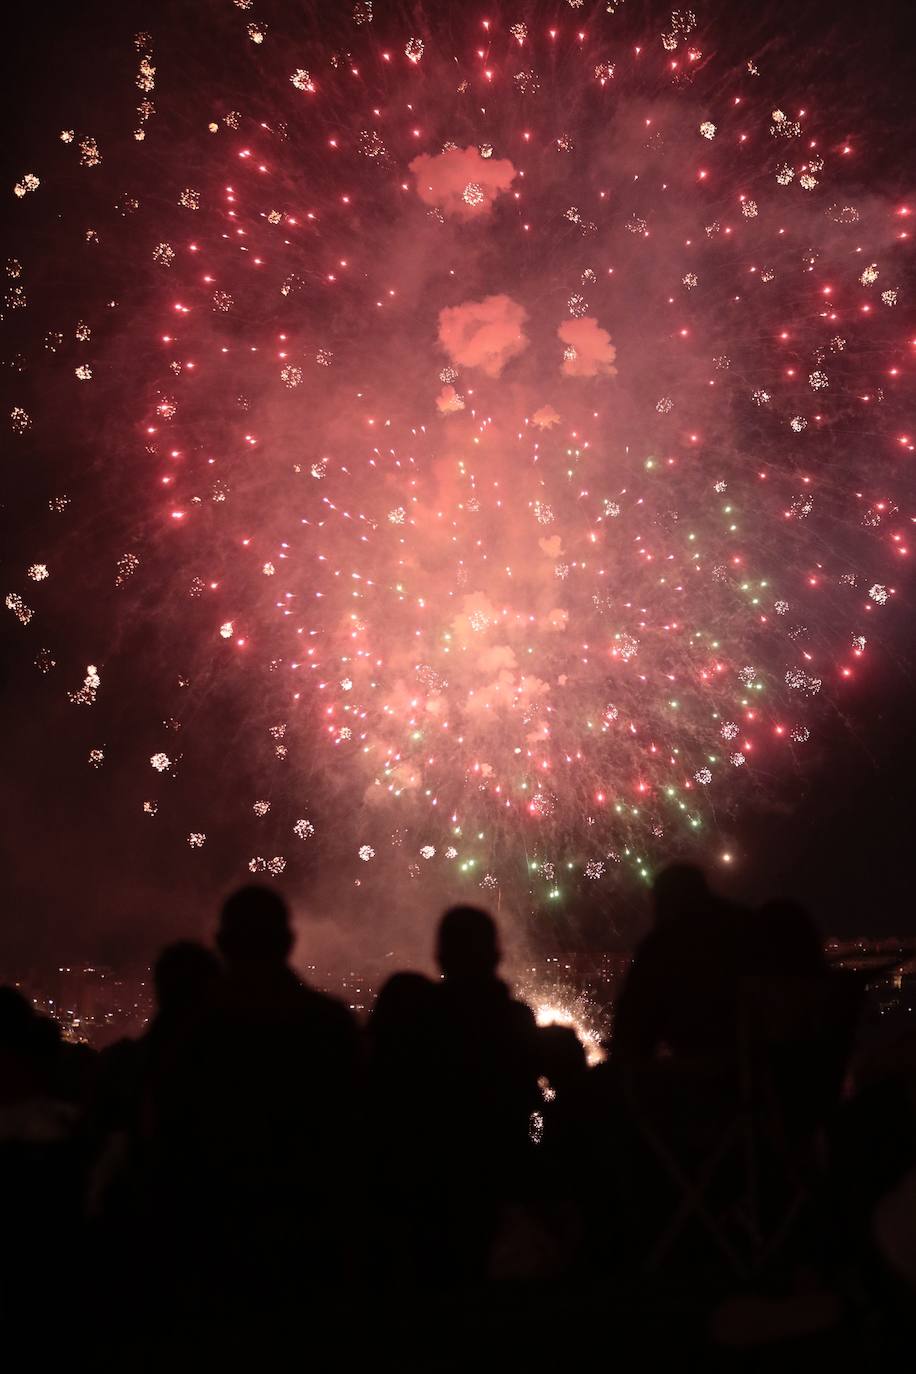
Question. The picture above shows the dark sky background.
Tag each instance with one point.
(843, 842)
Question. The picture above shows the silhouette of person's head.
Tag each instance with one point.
(786, 940)
(28, 1037)
(679, 890)
(563, 1055)
(468, 945)
(402, 1010)
(17, 1019)
(402, 999)
(254, 929)
(46, 1036)
(183, 975)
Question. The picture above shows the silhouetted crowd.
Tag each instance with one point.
(452, 1182)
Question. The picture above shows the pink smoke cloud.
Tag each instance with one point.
(460, 182)
(448, 402)
(589, 351)
(497, 657)
(546, 417)
(484, 334)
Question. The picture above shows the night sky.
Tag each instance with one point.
(87, 875)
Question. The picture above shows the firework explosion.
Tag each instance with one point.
(496, 443)
(574, 1010)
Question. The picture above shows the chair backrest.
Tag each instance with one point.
(711, 1181)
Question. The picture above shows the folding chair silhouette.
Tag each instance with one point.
(712, 1141)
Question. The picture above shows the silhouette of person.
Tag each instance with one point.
(680, 996)
(401, 1069)
(488, 1060)
(489, 1042)
(132, 1076)
(563, 1057)
(40, 1165)
(185, 976)
(255, 1120)
(800, 1015)
(22, 1074)
(565, 1088)
(398, 1029)
(37, 1069)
